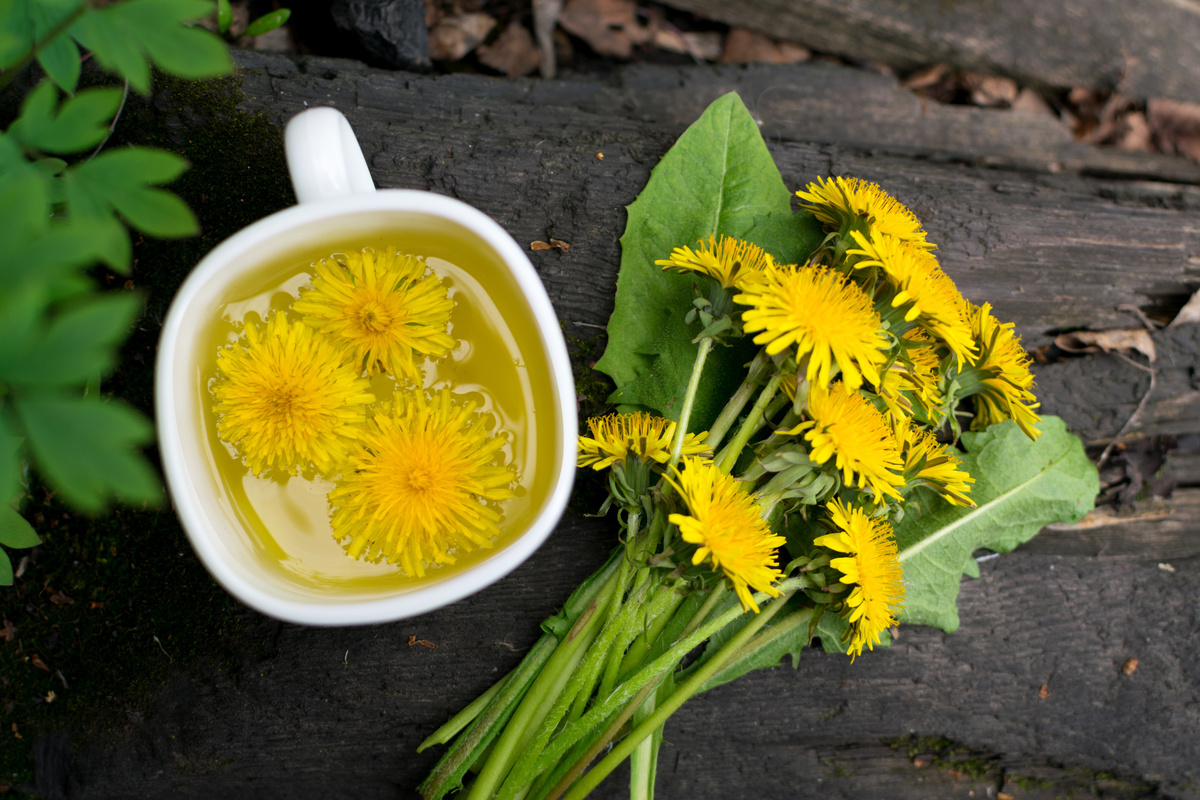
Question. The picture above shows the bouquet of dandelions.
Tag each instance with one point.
(834, 445)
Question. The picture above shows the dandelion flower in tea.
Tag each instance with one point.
(384, 310)
(285, 399)
(425, 483)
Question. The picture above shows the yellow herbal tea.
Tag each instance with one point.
(499, 363)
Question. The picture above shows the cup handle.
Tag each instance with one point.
(323, 156)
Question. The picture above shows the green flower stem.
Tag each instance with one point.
(645, 679)
(754, 378)
(685, 691)
(780, 628)
(642, 629)
(702, 613)
(643, 761)
(542, 695)
(689, 400)
(582, 679)
(472, 745)
(754, 420)
(465, 717)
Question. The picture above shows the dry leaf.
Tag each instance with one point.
(16, 732)
(600, 156)
(1107, 341)
(560, 244)
(1130, 666)
(540, 245)
(513, 53)
(1176, 125)
(37, 662)
(1044, 692)
(1137, 136)
(9, 631)
(1165, 567)
(927, 77)
(1004, 796)
(458, 35)
(1030, 102)
(60, 599)
(1189, 313)
(745, 47)
(705, 46)
(988, 90)
(609, 26)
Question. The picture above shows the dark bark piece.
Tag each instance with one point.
(392, 31)
(1140, 49)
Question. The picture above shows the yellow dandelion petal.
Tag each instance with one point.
(726, 525)
(382, 310)
(824, 314)
(285, 400)
(649, 437)
(932, 297)
(872, 566)
(1000, 380)
(732, 262)
(426, 485)
(914, 373)
(929, 462)
(845, 424)
(839, 203)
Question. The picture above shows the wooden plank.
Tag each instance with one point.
(1050, 252)
(1144, 49)
(320, 710)
(1163, 529)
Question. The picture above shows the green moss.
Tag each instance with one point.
(107, 607)
(942, 753)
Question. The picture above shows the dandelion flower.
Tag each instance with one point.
(1000, 380)
(726, 525)
(914, 372)
(927, 461)
(426, 484)
(845, 424)
(872, 567)
(824, 314)
(284, 399)
(618, 436)
(381, 309)
(732, 262)
(932, 296)
(841, 203)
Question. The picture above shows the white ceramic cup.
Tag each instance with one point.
(337, 199)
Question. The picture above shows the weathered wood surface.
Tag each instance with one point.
(1144, 49)
(332, 713)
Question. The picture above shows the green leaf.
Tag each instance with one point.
(124, 35)
(24, 207)
(15, 531)
(268, 22)
(81, 122)
(788, 640)
(77, 343)
(67, 246)
(121, 179)
(717, 179)
(6, 570)
(10, 460)
(59, 56)
(224, 16)
(1020, 487)
(88, 449)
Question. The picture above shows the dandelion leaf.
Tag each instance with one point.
(1020, 487)
(717, 179)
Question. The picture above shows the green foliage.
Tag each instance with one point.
(268, 22)
(15, 532)
(718, 179)
(1019, 488)
(61, 212)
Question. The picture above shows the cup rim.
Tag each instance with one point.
(319, 610)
